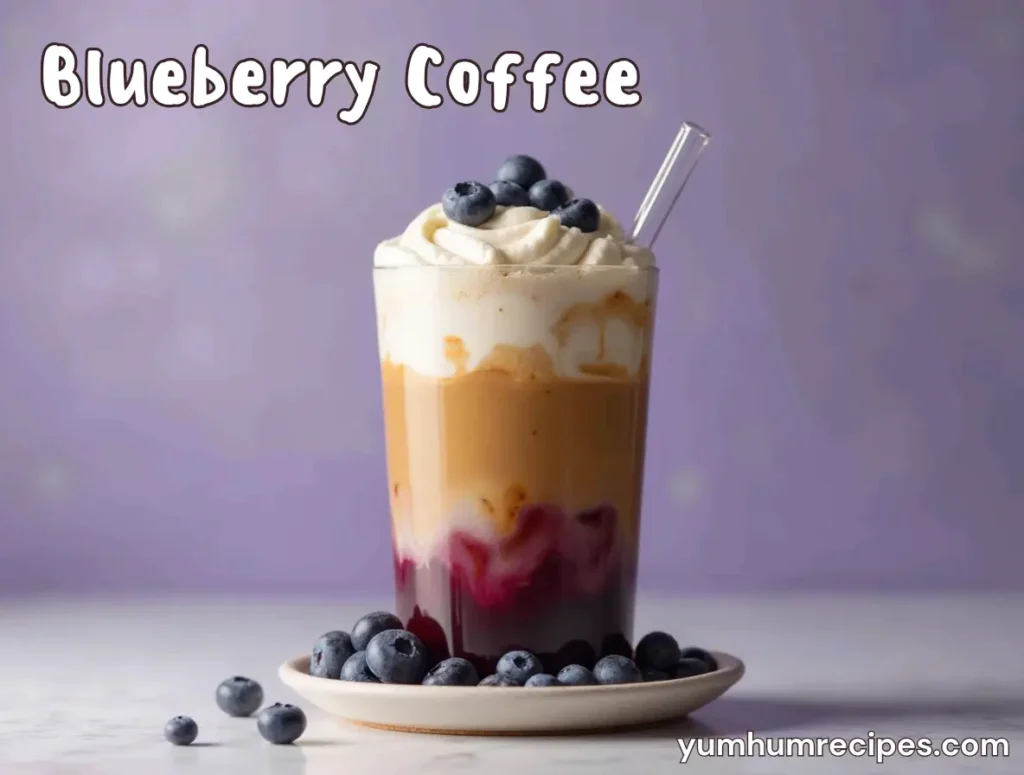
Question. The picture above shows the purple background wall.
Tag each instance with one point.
(188, 380)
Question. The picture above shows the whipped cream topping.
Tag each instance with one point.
(514, 236)
(562, 312)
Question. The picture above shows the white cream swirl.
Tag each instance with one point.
(514, 236)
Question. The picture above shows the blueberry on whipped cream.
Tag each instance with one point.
(548, 194)
(521, 218)
(522, 170)
(580, 213)
(509, 194)
(469, 203)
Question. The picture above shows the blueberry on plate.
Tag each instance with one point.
(239, 696)
(542, 679)
(498, 680)
(397, 657)
(469, 203)
(281, 723)
(616, 669)
(616, 643)
(658, 650)
(356, 669)
(454, 671)
(576, 652)
(694, 652)
(369, 625)
(181, 730)
(522, 170)
(519, 666)
(509, 194)
(576, 675)
(330, 652)
(689, 667)
(650, 674)
(582, 214)
(548, 195)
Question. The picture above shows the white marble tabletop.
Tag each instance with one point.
(85, 687)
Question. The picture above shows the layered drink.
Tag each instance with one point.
(515, 330)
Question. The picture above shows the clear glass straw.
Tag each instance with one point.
(669, 183)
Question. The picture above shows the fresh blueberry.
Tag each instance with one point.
(519, 666)
(694, 652)
(239, 696)
(689, 667)
(548, 195)
(522, 170)
(615, 669)
(455, 671)
(355, 669)
(369, 625)
(281, 724)
(330, 652)
(576, 675)
(397, 657)
(469, 203)
(581, 213)
(542, 679)
(181, 730)
(658, 650)
(617, 643)
(650, 674)
(509, 194)
(498, 680)
(576, 652)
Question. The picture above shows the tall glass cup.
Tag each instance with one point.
(515, 409)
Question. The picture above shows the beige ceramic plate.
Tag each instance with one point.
(457, 710)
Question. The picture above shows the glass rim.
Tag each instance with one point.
(523, 268)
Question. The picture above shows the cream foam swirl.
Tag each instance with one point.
(514, 236)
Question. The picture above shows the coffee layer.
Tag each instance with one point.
(469, 453)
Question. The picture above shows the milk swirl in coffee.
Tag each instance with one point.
(515, 329)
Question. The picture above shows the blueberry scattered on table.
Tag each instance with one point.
(469, 203)
(498, 680)
(519, 666)
(330, 653)
(181, 730)
(371, 624)
(542, 679)
(239, 696)
(689, 667)
(397, 657)
(454, 671)
(522, 170)
(356, 669)
(582, 214)
(576, 675)
(695, 652)
(509, 194)
(548, 194)
(657, 650)
(281, 723)
(616, 669)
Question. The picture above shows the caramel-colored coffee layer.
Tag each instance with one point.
(480, 445)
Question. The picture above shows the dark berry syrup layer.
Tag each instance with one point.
(561, 586)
